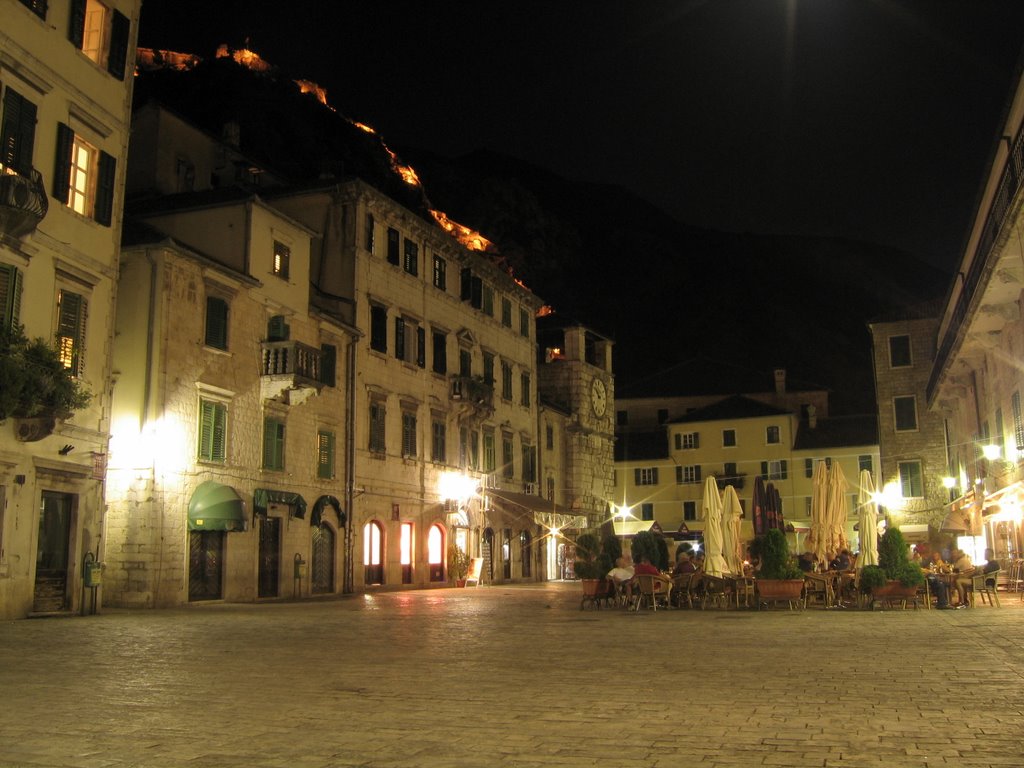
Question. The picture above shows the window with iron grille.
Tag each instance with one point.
(645, 476)
(378, 412)
(408, 433)
(273, 443)
(438, 441)
(324, 454)
(212, 431)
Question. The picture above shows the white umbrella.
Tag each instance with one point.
(867, 511)
(817, 537)
(711, 505)
(732, 547)
(837, 510)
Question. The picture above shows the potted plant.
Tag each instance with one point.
(649, 545)
(591, 566)
(36, 389)
(458, 565)
(779, 578)
(895, 577)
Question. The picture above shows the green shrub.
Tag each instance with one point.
(33, 381)
(872, 576)
(773, 549)
(589, 563)
(651, 546)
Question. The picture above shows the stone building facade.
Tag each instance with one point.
(65, 98)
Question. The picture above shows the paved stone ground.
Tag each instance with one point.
(511, 676)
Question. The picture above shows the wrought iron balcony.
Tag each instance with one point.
(23, 202)
(290, 367)
(472, 390)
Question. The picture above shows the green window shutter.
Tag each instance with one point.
(325, 455)
(104, 209)
(399, 338)
(76, 24)
(216, 323)
(120, 28)
(62, 163)
(421, 347)
(71, 313)
(17, 134)
(10, 296)
(273, 444)
(212, 432)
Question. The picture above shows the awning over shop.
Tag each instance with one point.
(317, 513)
(216, 507)
(540, 511)
(264, 497)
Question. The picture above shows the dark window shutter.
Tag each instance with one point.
(696, 439)
(328, 364)
(117, 55)
(421, 347)
(105, 190)
(654, 476)
(636, 476)
(476, 298)
(76, 28)
(393, 246)
(38, 7)
(696, 472)
(466, 284)
(325, 455)
(216, 323)
(400, 338)
(808, 467)
(62, 163)
(10, 296)
(764, 470)
(206, 430)
(785, 470)
(70, 314)
(679, 475)
(18, 133)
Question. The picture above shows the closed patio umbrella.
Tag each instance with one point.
(817, 537)
(867, 513)
(758, 508)
(732, 547)
(711, 505)
(837, 510)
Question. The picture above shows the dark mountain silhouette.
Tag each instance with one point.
(663, 290)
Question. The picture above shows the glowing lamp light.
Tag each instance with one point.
(991, 451)
(949, 482)
(455, 485)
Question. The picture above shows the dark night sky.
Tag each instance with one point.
(867, 119)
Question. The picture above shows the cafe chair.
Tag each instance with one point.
(651, 591)
(681, 594)
(717, 590)
(985, 584)
(818, 587)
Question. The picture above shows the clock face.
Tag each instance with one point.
(598, 397)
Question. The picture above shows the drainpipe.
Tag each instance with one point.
(350, 463)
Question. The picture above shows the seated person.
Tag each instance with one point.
(806, 561)
(935, 562)
(684, 564)
(644, 566)
(841, 562)
(937, 586)
(964, 580)
(622, 574)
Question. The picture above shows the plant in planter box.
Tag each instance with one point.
(34, 383)
(895, 576)
(779, 578)
(458, 564)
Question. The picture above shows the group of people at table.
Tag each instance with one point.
(942, 577)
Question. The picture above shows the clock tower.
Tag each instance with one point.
(576, 387)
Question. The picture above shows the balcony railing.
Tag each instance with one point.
(294, 359)
(23, 202)
(469, 389)
(998, 216)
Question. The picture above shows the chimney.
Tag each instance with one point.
(812, 416)
(780, 381)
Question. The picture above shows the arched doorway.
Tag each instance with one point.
(435, 552)
(373, 553)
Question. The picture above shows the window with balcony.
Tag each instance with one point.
(18, 131)
(101, 33)
(273, 443)
(905, 413)
(325, 454)
(465, 362)
(72, 311)
(213, 418)
(83, 177)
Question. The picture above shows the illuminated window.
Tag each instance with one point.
(83, 176)
(905, 412)
(101, 33)
(911, 483)
(71, 317)
(373, 553)
(405, 552)
(324, 454)
(212, 431)
(282, 260)
(435, 553)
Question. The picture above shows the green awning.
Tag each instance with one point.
(215, 507)
(264, 497)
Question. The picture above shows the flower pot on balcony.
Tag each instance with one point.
(33, 428)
